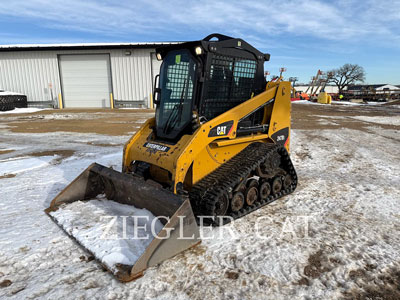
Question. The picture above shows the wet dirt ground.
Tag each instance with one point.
(122, 122)
(100, 121)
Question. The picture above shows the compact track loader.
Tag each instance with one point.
(217, 147)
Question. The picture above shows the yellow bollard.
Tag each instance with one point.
(111, 101)
(151, 101)
(60, 105)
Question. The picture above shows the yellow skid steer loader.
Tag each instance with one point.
(217, 147)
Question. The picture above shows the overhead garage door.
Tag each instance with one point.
(86, 80)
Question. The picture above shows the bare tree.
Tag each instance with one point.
(346, 75)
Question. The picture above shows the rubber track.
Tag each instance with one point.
(204, 194)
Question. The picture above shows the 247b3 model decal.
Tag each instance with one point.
(281, 136)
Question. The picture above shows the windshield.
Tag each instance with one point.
(177, 78)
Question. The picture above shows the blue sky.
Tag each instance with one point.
(302, 36)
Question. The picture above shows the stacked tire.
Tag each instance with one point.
(9, 102)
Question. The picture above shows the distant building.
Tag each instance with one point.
(354, 89)
(378, 88)
(81, 75)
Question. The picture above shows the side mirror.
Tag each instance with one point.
(157, 90)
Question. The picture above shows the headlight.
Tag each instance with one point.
(159, 57)
(198, 50)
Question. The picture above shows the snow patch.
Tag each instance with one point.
(348, 187)
(18, 165)
(379, 120)
(133, 108)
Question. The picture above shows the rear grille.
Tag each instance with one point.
(230, 82)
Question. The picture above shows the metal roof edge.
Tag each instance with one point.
(82, 46)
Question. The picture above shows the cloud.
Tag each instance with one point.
(341, 20)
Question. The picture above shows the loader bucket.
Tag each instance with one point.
(178, 233)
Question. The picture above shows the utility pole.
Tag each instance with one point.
(266, 73)
(281, 70)
(293, 81)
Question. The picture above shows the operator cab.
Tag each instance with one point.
(203, 79)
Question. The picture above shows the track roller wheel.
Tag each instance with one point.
(276, 185)
(251, 194)
(265, 190)
(287, 181)
(222, 204)
(237, 201)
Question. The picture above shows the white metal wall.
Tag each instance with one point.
(30, 73)
(131, 75)
(329, 88)
(34, 73)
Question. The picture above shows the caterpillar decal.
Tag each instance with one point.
(221, 129)
(156, 147)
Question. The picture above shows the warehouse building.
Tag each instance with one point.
(377, 88)
(81, 75)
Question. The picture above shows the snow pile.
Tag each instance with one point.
(109, 230)
(303, 102)
(22, 110)
(362, 103)
(348, 102)
(7, 93)
(339, 102)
